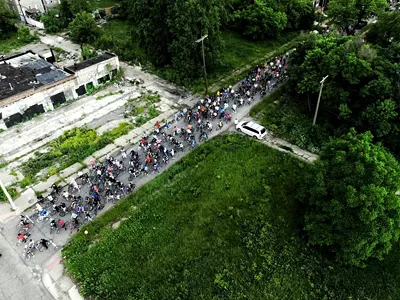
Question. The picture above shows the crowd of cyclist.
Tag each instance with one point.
(70, 208)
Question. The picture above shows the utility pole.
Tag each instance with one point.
(23, 13)
(204, 59)
(319, 98)
(44, 7)
(8, 196)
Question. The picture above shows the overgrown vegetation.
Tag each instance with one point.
(12, 191)
(203, 229)
(143, 107)
(284, 119)
(15, 40)
(72, 147)
(110, 93)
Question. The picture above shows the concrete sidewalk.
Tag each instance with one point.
(56, 282)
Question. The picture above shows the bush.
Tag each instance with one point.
(51, 22)
(24, 35)
(12, 191)
(279, 115)
(71, 147)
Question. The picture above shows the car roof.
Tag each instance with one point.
(254, 125)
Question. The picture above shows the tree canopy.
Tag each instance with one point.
(361, 89)
(168, 31)
(345, 13)
(351, 203)
(386, 30)
(7, 19)
(83, 28)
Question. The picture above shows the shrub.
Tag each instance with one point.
(24, 35)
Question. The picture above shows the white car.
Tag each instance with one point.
(251, 128)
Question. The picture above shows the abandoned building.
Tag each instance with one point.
(30, 85)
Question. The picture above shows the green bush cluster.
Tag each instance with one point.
(72, 147)
(287, 121)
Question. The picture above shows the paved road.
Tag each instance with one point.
(17, 280)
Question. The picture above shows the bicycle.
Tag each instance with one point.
(22, 240)
(41, 247)
(28, 253)
(64, 227)
(24, 227)
(45, 217)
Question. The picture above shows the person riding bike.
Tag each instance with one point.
(22, 237)
(44, 243)
(53, 224)
(61, 224)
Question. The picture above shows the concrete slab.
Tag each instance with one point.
(53, 288)
(71, 170)
(65, 283)
(122, 141)
(88, 159)
(73, 294)
(25, 200)
(7, 179)
(43, 186)
(104, 151)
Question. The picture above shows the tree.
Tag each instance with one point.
(167, 30)
(259, 19)
(7, 19)
(83, 28)
(52, 22)
(300, 14)
(345, 13)
(351, 201)
(386, 30)
(77, 6)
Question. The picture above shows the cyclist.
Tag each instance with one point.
(31, 246)
(44, 243)
(220, 124)
(88, 216)
(123, 153)
(79, 209)
(234, 107)
(63, 206)
(61, 223)
(56, 188)
(22, 237)
(53, 224)
(66, 195)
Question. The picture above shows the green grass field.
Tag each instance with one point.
(221, 223)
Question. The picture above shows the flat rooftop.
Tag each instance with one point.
(25, 71)
(91, 62)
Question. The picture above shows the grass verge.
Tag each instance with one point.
(72, 147)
